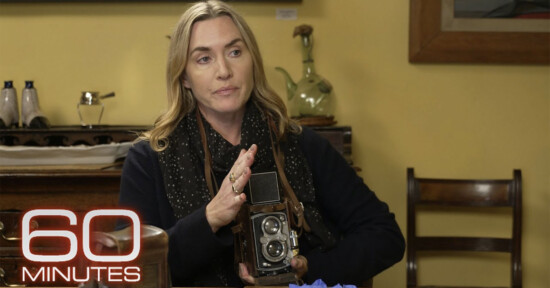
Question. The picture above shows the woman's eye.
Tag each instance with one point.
(202, 60)
(235, 53)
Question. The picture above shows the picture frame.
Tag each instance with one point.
(430, 43)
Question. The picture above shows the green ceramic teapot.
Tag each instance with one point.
(313, 95)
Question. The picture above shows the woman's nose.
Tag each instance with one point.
(224, 69)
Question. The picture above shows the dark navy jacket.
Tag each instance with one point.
(371, 240)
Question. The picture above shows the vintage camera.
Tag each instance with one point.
(264, 240)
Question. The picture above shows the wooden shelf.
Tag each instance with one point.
(69, 135)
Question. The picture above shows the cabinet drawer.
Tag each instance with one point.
(79, 190)
(11, 273)
(10, 232)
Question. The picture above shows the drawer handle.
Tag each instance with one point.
(3, 281)
(34, 225)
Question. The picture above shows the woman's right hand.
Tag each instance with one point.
(223, 208)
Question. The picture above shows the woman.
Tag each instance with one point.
(223, 124)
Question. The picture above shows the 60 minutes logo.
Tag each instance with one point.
(103, 272)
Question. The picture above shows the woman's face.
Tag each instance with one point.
(219, 68)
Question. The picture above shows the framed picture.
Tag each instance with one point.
(438, 35)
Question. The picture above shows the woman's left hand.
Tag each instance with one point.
(245, 276)
(299, 264)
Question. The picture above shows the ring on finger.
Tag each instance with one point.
(232, 177)
(235, 189)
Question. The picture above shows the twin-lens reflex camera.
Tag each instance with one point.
(264, 240)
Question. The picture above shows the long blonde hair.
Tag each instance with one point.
(181, 100)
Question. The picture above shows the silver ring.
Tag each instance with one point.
(235, 189)
(232, 177)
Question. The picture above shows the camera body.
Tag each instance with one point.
(264, 240)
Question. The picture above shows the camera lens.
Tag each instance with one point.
(271, 225)
(275, 248)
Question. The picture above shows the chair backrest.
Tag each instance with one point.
(443, 193)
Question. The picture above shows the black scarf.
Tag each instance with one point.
(182, 161)
(182, 164)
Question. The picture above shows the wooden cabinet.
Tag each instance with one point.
(339, 137)
(23, 190)
(79, 190)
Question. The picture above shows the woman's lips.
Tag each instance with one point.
(226, 90)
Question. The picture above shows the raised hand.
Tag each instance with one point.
(223, 208)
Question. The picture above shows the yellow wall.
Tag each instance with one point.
(444, 120)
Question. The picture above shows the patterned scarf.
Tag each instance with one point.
(182, 164)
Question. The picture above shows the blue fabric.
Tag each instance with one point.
(320, 284)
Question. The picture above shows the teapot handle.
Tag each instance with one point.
(112, 94)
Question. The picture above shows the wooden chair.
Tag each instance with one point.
(446, 193)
